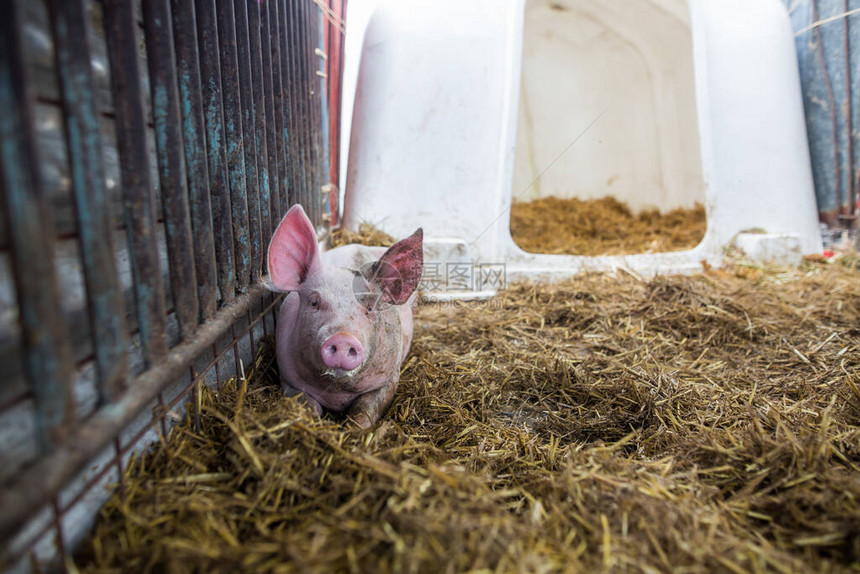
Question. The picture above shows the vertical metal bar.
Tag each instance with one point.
(210, 79)
(323, 127)
(162, 419)
(260, 119)
(251, 333)
(269, 126)
(249, 138)
(313, 79)
(336, 74)
(120, 475)
(313, 62)
(168, 141)
(337, 30)
(300, 91)
(837, 172)
(343, 9)
(195, 397)
(287, 18)
(321, 112)
(236, 360)
(318, 87)
(60, 539)
(310, 80)
(849, 118)
(329, 37)
(286, 104)
(289, 110)
(194, 140)
(307, 86)
(279, 36)
(45, 339)
(138, 212)
(276, 127)
(332, 38)
(303, 92)
(95, 224)
(233, 140)
(217, 362)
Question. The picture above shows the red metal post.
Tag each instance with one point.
(334, 34)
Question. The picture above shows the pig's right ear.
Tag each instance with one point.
(293, 253)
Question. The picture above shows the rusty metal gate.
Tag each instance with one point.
(147, 150)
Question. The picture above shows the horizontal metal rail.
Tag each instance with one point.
(34, 487)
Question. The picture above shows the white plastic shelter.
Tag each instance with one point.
(659, 103)
(630, 64)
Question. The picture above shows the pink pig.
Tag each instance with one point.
(346, 324)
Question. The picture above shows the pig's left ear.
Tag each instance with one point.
(293, 253)
(398, 271)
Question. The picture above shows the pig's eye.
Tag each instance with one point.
(314, 301)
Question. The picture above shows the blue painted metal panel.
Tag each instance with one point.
(830, 74)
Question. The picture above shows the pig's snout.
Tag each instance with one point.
(342, 351)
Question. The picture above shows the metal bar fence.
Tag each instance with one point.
(148, 151)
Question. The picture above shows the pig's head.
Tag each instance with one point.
(341, 311)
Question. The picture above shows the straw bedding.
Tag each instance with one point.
(602, 227)
(606, 423)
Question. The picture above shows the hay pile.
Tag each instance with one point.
(366, 235)
(685, 424)
(602, 227)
